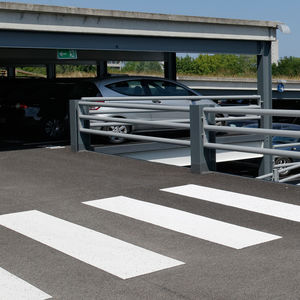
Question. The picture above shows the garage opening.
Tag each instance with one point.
(56, 37)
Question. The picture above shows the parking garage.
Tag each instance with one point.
(49, 36)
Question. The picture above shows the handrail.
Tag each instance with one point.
(137, 137)
(286, 145)
(262, 131)
(252, 150)
(143, 106)
(263, 112)
(134, 121)
(195, 98)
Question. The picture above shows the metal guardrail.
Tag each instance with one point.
(281, 169)
(79, 109)
(208, 143)
(202, 125)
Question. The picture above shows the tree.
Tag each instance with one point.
(142, 67)
(217, 65)
(287, 66)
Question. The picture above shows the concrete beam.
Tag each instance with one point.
(44, 18)
(56, 40)
(14, 56)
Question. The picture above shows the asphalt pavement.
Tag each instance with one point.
(141, 240)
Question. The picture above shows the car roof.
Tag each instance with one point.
(124, 78)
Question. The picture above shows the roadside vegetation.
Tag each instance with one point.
(219, 65)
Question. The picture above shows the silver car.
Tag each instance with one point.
(128, 86)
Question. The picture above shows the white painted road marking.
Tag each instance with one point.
(55, 147)
(14, 288)
(194, 225)
(182, 156)
(255, 204)
(99, 250)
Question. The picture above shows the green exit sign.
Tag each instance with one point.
(66, 54)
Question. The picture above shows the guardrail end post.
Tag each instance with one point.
(79, 141)
(73, 118)
(202, 160)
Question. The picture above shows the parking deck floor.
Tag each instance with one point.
(189, 236)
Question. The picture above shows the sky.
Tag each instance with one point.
(287, 11)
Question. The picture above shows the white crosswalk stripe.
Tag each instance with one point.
(201, 227)
(126, 260)
(14, 288)
(254, 204)
(99, 250)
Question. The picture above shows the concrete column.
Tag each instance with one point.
(51, 71)
(264, 88)
(101, 69)
(11, 72)
(170, 65)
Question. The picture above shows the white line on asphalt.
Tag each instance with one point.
(246, 202)
(102, 251)
(182, 156)
(55, 147)
(194, 225)
(14, 288)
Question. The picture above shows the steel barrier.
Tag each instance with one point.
(202, 125)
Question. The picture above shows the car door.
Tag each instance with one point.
(167, 88)
(131, 88)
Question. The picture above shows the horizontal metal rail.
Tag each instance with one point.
(135, 121)
(290, 166)
(270, 112)
(262, 131)
(290, 178)
(252, 150)
(286, 145)
(143, 106)
(238, 118)
(136, 137)
(127, 111)
(193, 98)
(104, 124)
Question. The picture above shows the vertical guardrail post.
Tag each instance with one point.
(79, 141)
(73, 118)
(275, 176)
(210, 137)
(264, 87)
(202, 160)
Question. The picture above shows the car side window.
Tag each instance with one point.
(284, 140)
(166, 88)
(128, 88)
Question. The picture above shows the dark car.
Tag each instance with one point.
(280, 141)
(39, 106)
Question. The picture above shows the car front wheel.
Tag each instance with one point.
(283, 161)
(54, 128)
